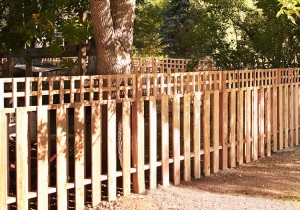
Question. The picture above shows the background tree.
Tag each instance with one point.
(290, 8)
(113, 33)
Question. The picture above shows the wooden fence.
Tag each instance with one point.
(176, 126)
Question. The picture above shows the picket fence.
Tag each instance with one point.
(58, 135)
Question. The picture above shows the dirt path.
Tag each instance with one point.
(270, 183)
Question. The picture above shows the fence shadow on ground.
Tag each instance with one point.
(275, 177)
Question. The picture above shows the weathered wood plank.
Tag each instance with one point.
(96, 124)
(153, 142)
(286, 115)
(197, 134)
(261, 123)
(248, 125)
(61, 158)
(280, 114)
(232, 135)
(206, 130)
(3, 159)
(176, 139)
(296, 110)
(216, 130)
(111, 150)
(79, 131)
(275, 118)
(187, 137)
(42, 157)
(126, 128)
(291, 116)
(138, 146)
(224, 129)
(255, 123)
(268, 120)
(22, 157)
(240, 119)
(165, 140)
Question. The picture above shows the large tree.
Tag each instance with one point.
(113, 33)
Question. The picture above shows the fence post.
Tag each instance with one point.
(126, 146)
(206, 130)
(296, 97)
(153, 141)
(224, 121)
(176, 138)
(187, 137)
(197, 133)
(138, 139)
(165, 139)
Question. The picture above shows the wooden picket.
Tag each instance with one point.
(43, 153)
(165, 140)
(176, 139)
(153, 142)
(21, 159)
(3, 160)
(204, 121)
(187, 137)
(61, 159)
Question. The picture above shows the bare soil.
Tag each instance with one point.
(270, 183)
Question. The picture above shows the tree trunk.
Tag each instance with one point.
(113, 32)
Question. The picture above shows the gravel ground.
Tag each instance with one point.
(270, 183)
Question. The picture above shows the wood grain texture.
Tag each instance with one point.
(240, 136)
(3, 159)
(165, 140)
(79, 154)
(187, 136)
(197, 134)
(96, 126)
(296, 110)
(255, 124)
(126, 128)
(153, 142)
(232, 135)
(111, 150)
(61, 158)
(206, 130)
(275, 118)
(176, 139)
(268, 120)
(248, 125)
(138, 147)
(216, 131)
(21, 158)
(281, 116)
(224, 129)
(42, 157)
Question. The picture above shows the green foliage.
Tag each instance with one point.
(42, 22)
(235, 34)
(147, 41)
(289, 8)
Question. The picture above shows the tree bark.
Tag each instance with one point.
(113, 32)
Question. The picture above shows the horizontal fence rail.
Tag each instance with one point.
(37, 91)
(70, 141)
